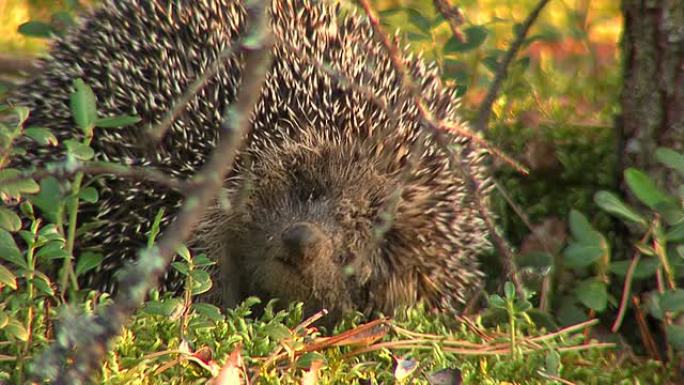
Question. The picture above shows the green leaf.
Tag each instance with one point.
(306, 359)
(419, 21)
(9, 250)
(208, 311)
(493, 60)
(7, 278)
(26, 209)
(675, 336)
(496, 301)
(671, 159)
(184, 253)
(117, 121)
(644, 188)
(675, 233)
(42, 283)
(391, 12)
(523, 63)
(48, 199)
(670, 211)
(165, 308)
(83, 107)
(553, 363)
(181, 267)
(646, 268)
(42, 135)
(277, 332)
(614, 205)
(87, 261)
(201, 260)
(88, 194)
(51, 233)
(201, 281)
(592, 294)
(569, 313)
(22, 114)
(4, 319)
(582, 230)
(54, 250)
(418, 37)
(680, 250)
(9, 220)
(653, 305)
(11, 183)
(523, 306)
(79, 150)
(474, 37)
(509, 290)
(578, 255)
(16, 330)
(672, 300)
(36, 29)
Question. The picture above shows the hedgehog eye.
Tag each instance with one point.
(305, 187)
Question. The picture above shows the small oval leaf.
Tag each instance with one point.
(88, 261)
(9, 250)
(672, 300)
(41, 135)
(474, 37)
(582, 230)
(671, 159)
(79, 150)
(7, 278)
(36, 29)
(89, 194)
(16, 330)
(614, 205)
(578, 255)
(9, 220)
(83, 106)
(592, 294)
(11, 183)
(201, 281)
(644, 188)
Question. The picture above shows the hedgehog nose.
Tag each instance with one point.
(302, 240)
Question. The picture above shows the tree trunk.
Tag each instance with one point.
(653, 95)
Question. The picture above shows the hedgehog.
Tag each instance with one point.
(316, 175)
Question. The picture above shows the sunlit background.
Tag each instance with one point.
(573, 58)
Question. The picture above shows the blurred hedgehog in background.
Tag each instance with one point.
(319, 168)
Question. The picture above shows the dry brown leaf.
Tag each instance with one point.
(310, 377)
(231, 372)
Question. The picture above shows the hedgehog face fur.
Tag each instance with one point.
(306, 228)
(318, 168)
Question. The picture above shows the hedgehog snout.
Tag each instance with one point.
(303, 242)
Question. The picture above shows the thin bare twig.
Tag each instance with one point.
(627, 288)
(453, 16)
(72, 360)
(18, 64)
(485, 110)
(146, 174)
